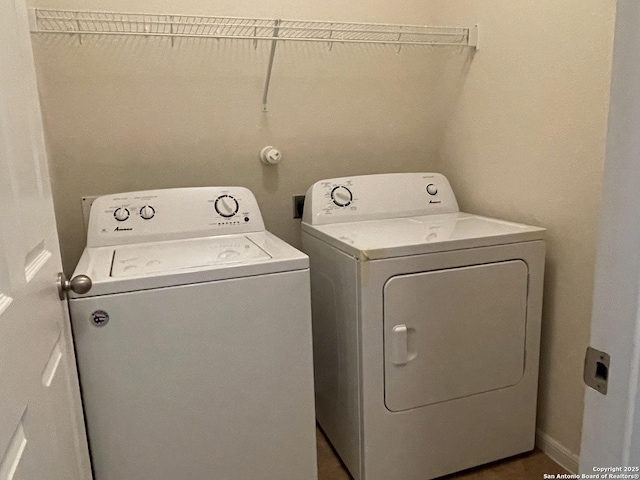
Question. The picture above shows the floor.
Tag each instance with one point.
(528, 466)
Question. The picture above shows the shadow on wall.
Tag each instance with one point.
(133, 113)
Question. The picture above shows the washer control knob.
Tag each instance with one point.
(226, 206)
(147, 212)
(341, 196)
(121, 214)
(432, 189)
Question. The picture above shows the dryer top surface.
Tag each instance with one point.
(397, 237)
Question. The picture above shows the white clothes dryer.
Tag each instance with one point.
(426, 326)
(194, 342)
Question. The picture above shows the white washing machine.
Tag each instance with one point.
(194, 340)
(426, 325)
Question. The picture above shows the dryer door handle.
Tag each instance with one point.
(399, 345)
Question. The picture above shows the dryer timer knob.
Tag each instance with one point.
(432, 189)
(341, 196)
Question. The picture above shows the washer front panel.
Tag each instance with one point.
(194, 382)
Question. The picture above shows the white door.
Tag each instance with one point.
(611, 426)
(41, 426)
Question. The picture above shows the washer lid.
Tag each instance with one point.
(129, 268)
(398, 237)
(132, 260)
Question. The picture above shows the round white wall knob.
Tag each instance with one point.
(270, 155)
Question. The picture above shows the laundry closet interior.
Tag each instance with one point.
(508, 100)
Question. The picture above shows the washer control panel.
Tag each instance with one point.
(373, 197)
(175, 213)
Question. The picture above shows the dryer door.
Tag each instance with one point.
(454, 333)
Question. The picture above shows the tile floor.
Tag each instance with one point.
(528, 466)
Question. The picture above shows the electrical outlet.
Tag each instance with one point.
(298, 206)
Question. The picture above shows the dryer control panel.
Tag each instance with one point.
(375, 197)
(172, 214)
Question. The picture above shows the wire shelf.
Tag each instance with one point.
(81, 23)
(176, 26)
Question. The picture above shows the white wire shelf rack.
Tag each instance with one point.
(89, 23)
(110, 23)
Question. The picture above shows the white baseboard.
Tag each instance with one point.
(557, 452)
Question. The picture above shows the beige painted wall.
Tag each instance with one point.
(126, 113)
(526, 142)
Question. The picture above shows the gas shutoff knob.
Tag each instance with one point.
(147, 212)
(270, 155)
(341, 196)
(226, 206)
(432, 189)
(121, 214)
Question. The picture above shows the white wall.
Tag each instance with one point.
(126, 113)
(526, 142)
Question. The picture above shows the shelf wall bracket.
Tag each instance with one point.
(473, 37)
(173, 39)
(272, 54)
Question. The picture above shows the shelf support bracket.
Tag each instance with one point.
(173, 39)
(267, 80)
(79, 35)
(473, 37)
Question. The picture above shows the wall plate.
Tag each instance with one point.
(596, 369)
(298, 206)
